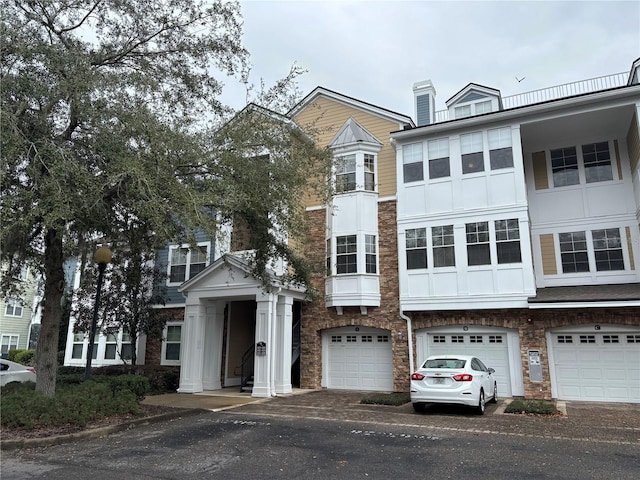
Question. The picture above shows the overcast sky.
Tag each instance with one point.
(376, 50)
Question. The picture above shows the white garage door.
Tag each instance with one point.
(491, 348)
(358, 360)
(599, 366)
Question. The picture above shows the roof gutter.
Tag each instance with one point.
(516, 112)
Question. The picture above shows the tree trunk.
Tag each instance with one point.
(47, 350)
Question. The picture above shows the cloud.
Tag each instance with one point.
(376, 50)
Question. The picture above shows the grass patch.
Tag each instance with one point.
(394, 399)
(538, 407)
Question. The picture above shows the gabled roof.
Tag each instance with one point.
(353, 133)
(472, 89)
(239, 272)
(352, 102)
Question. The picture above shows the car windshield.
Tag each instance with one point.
(444, 363)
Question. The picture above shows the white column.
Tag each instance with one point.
(192, 349)
(214, 328)
(262, 363)
(283, 345)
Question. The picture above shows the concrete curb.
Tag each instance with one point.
(17, 443)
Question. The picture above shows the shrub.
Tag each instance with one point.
(540, 407)
(76, 404)
(24, 357)
(395, 399)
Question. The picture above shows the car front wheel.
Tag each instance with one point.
(481, 404)
(418, 407)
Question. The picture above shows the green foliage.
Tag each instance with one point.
(73, 403)
(24, 357)
(395, 399)
(540, 407)
(108, 110)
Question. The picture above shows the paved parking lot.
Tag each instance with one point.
(598, 422)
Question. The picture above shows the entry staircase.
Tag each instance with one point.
(248, 360)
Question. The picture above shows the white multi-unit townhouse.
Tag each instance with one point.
(506, 227)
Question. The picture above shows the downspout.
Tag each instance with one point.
(410, 340)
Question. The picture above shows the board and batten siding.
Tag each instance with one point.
(327, 116)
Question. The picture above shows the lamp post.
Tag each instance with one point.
(102, 257)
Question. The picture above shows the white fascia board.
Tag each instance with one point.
(602, 304)
(468, 303)
(521, 113)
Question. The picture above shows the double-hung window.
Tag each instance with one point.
(416, 248)
(13, 307)
(371, 258)
(564, 166)
(443, 246)
(9, 342)
(346, 254)
(607, 248)
(171, 344)
(438, 152)
(478, 249)
(369, 172)
(186, 262)
(346, 173)
(508, 241)
(597, 162)
(412, 162)
(500, 152)
(472, 149)
(573, 252)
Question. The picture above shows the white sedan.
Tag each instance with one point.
(455, 379)
(14, 372)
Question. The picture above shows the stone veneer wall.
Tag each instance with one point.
(316, 317)
(532, 326)
(153, 351)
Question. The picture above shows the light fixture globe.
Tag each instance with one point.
(103, 255)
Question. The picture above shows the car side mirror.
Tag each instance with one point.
(491, 370)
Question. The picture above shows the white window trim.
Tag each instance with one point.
(13, 303)
(360, 253)
(360, 180)
(187, 272)
(9, 336)
(582, 175)
(163, 360)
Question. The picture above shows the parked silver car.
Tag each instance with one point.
(14, 372)
(455, 379)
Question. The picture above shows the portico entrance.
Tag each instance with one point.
(229, 314)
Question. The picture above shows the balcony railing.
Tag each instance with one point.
(556, 92)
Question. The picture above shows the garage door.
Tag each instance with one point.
(491, 348)
(358, 360)
(600, 366)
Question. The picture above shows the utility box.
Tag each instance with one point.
(535, 366)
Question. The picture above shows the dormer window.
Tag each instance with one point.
(474, 100)
(473, 109)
